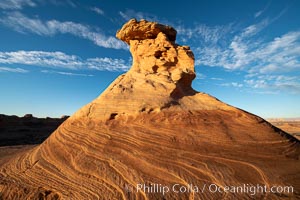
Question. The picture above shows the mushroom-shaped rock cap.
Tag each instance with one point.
(134, 30)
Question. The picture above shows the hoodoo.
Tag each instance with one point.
(150, 135)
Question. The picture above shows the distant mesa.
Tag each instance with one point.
(64, 117)
(151, 127)
(26, 130)
(28, 116)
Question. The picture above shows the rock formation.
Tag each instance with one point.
(150, 127)
(134, 30)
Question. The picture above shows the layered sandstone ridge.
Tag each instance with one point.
(150, 127)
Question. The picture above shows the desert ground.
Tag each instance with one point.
(291, 126)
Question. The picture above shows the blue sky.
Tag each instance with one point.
(56, 56)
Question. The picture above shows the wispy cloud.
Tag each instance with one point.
(66, 73)
(200, 76)
(276, 84)
(129, 14)
(14, 70)
(62, 60)
(61, 3)
(260, 12)
(234, 52)
(24, 24)
(232, 84)
(217, 79)
(204, 34)
(97, 10)
(245, 49)
(16, 4)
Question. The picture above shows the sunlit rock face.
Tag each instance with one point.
(154, 52)
(161, 74)
(150, 127)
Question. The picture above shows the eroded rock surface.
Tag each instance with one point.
(135, 30)
(161, 74)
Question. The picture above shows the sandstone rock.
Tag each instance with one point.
(149, 126)
(161, 69)
(134, 30)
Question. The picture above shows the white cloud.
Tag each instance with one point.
(278, 56)
(273, 83)
(245, 50)
(200, 76)
(97, 10)
(66, 73)
(129, 14)
(109, 64)
(16, 4)
(41, 58)
(62, 60)
(217, 79)
(253, 29)
(260, 12)
(257, 14)
(71, 3)
(232, 84)
(24, 24)
(248, 52)
(204, 34)
(15, 70)
(61, 3)
(233, 54)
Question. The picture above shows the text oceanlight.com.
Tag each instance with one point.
(212, 188)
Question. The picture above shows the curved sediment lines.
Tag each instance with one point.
(107, 160)
(78, 165)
